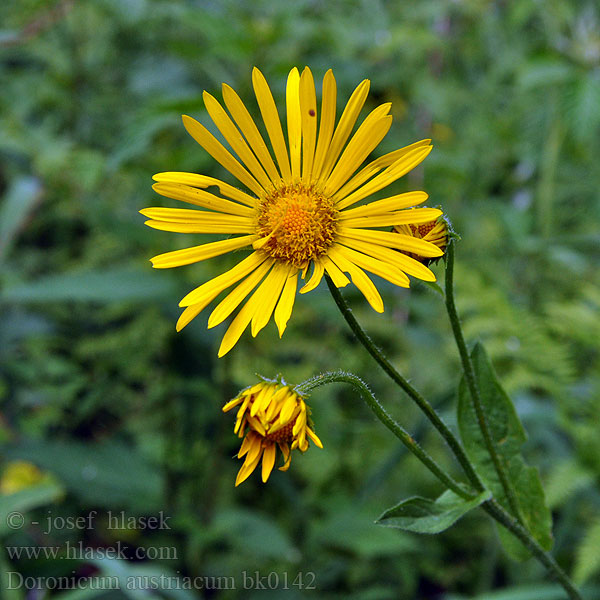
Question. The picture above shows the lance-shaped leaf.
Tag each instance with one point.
(13, 506)
(423, 515)
(19, 202)
(508, 436)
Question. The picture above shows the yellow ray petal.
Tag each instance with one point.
(328, 108)
(338, 278)
(308, 111)
(376, 166)
(402, 166)
(385, 205)
(270, 116)
(283, 311)
(247, 469)
(190, 313)
(283, 393)
(300, 421)
(359, 278)
(243, 408)
(344, 128)
(256, 425)
(404, 263)
(203, 181)
(207, 292)
(274, 283)
(287, 455)
(216, 285)
(261, 399)
(316, 277)
(314, 437)
(268, 461)
(245, 122)
(198, 253)
(287, 411)
(294, 121)
(273, 407)
(237, 295)
(402, 217)
(210, 143)
(232, 404)
(242, 320)
(245, 447)
(368, 136)
(255, 450)
(232, 134)
(212, 226)
(198, 197)
(375, 266)
(185, 215)
(393, 240)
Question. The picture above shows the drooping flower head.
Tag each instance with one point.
(434, 232)
(270, 415)
(304, 213)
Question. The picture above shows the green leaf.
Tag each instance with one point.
(544, 73)
(508, 435)
(128, 573)
(423, 515)
(566, 478)
(87, 593)
(10, 593)
(351, 532)
(20, 200)
(99, 473)
(247, 532)
(435, 287)
(113, 285)
(587, 558)
(25, 500)
(586, 113)
(525, 592)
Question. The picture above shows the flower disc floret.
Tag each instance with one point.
(297, 223)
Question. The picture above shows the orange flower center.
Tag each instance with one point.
(283, 435)
(422, 229)
(299, 224)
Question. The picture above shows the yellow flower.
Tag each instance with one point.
(18, 475)
(302, 209)
(271, 414)
(434, 232)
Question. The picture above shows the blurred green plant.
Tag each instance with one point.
(90, 98)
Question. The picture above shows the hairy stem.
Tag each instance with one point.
(425, 407)
(380, 412)
(495, 510)
(474, 388)
(492, 507)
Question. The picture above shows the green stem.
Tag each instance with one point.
(495, 510)
(380, 412)
(492, 507)
(473, 387)
(545, 194)
(427, 409)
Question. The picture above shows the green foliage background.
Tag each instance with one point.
(123, 414)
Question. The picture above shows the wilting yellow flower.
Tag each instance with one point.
(434, 232)
(299, 211)
(271, 414)
(18, 475)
